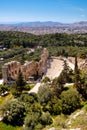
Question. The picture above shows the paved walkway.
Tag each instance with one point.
(35, 88)
(1, 81)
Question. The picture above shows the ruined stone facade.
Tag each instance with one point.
(11, 69)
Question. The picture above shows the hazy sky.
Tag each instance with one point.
(66, 11)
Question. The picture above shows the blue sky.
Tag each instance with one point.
(65, 11)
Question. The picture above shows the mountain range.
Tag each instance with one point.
(47, 27)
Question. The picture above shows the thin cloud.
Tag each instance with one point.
(80, 9)
(82, 15)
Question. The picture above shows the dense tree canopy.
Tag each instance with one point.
(10, 39)
(36, 111)
(56, 43)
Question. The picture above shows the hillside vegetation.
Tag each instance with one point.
(55, 104)
(58, 44)
(50, 107)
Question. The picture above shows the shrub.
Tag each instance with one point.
(3, 89)
(55, 106)
(31, 121)
(46, 79)
(0, 75)
(46, 119)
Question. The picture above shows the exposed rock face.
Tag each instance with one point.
(83, 65)
(11, 69)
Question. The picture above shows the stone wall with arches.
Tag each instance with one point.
(11, 69)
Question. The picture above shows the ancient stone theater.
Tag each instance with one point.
(11, 69)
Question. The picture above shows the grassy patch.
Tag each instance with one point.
(60, 121)
(4, 126)
(2, 99)
(80, 122)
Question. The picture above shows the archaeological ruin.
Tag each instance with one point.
(11, 69)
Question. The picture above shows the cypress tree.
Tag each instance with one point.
(20, 83)
(65, 72)
(77, 78)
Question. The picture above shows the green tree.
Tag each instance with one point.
(36, 120)
(19, 85)
(12, 112)
(70, 101)
(44, 94)
(83, 89)
(23, 58)
(65, 71)
(20, 82)
(46, 119)
(31, 121)
(77, 78)
(64, 77)
(58, 85)
(46, 79)
(55, 106)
